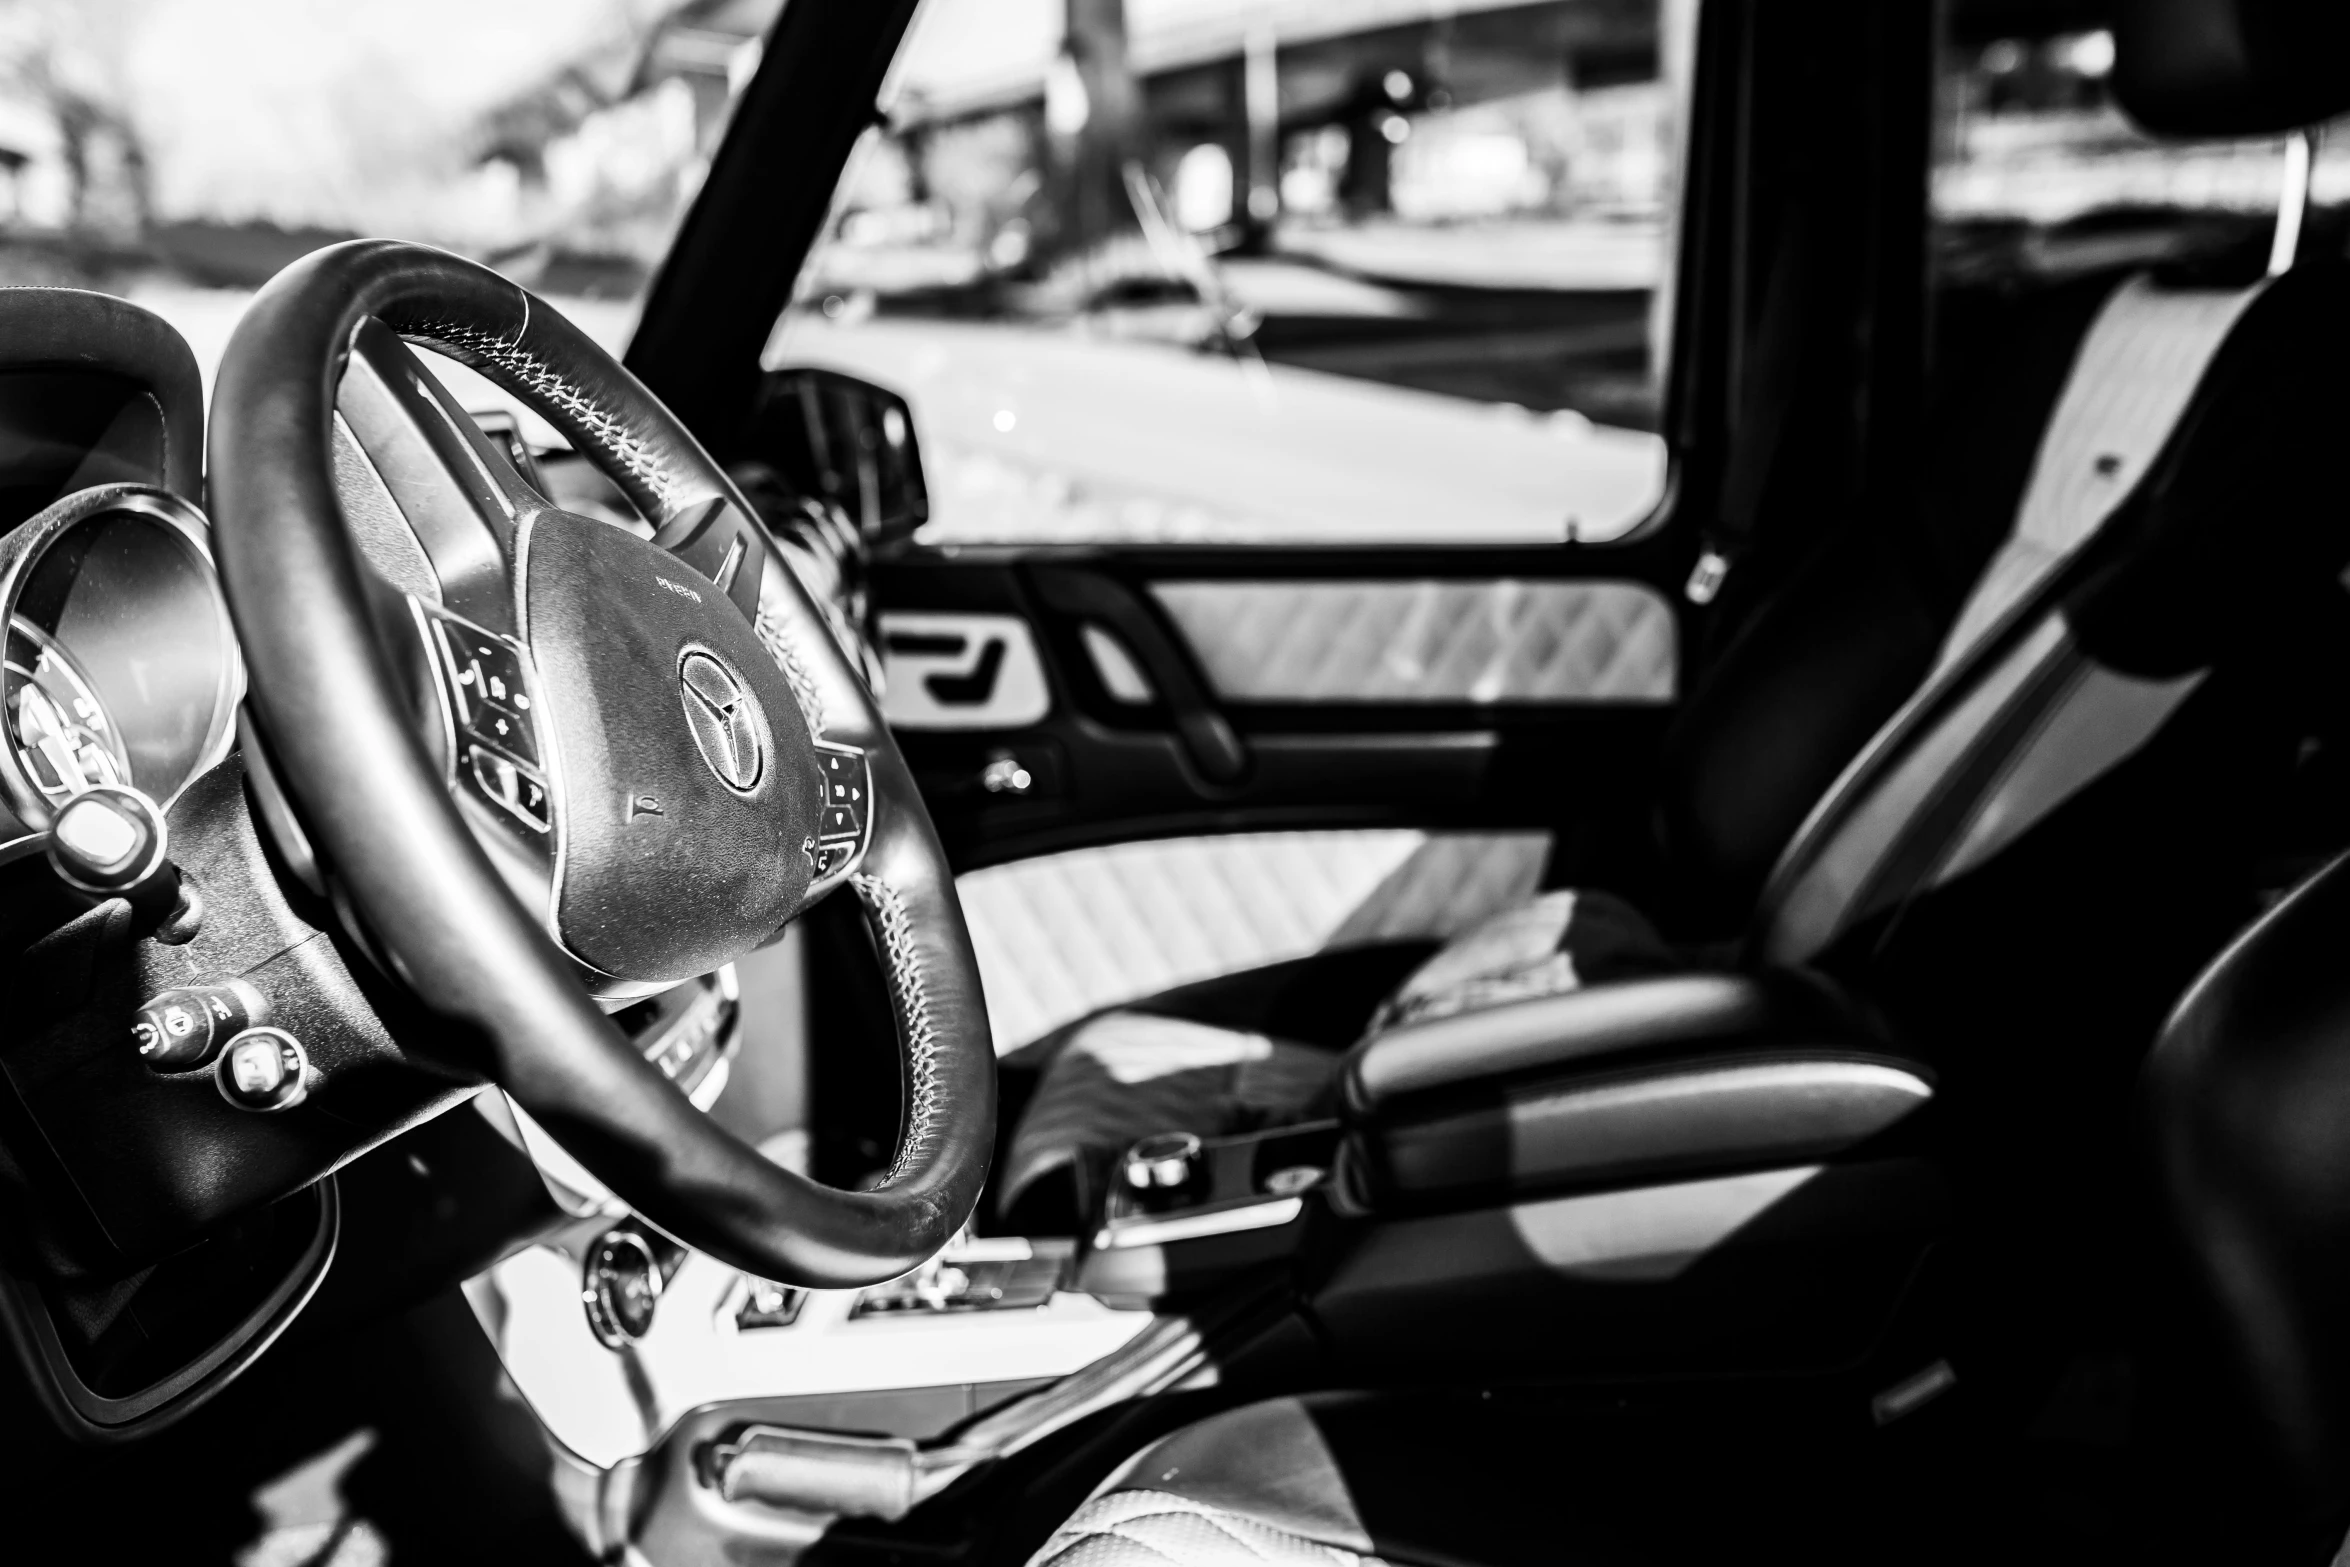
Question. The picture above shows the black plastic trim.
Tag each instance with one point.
(92, 1418)
(73, 329)
(736, 256)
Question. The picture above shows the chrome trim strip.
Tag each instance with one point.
(1196, 1226)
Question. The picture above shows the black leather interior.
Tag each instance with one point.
(74, 330)
(1748, 1110)
(2028, 860)
(1739, 771)
(1442, 1479)
(2230, 67)
(2049, 838)
(327, 698)
(1641, 1079)
(2245, 1099)
(1597, 1028)
(1819, 666)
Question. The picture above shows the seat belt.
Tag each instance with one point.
(1770, 395)
(2131, 382)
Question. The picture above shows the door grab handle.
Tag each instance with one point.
(1207, 736)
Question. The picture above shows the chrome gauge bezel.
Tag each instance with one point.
(50, 648)
(22, 550)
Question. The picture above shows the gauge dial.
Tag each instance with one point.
(62, 732)
(120, 666)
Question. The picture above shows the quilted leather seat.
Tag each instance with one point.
(1438, 1480)
(1259, 1484)
(1125, 1074)
(2002, 783)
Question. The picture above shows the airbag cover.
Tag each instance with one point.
(686, 784)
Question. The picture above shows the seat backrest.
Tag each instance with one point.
(2084, 764)
(2034, 456)
(2245, 1100)
(1819, 668)
(2172, 393)
(2057, 829)
(2050, 434)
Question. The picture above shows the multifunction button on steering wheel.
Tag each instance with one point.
(549, 763)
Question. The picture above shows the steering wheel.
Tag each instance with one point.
(546, 762)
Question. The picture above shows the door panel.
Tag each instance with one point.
(1423, 641)
(1544, 687)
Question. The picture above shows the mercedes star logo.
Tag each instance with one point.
(720, 712)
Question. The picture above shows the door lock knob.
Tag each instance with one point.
(1004, 774)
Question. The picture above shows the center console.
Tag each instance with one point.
(1188, 1216)
(1668, 1178)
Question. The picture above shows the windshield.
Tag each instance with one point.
(1402, 265)
(178, 152)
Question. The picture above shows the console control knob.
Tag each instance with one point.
(181, 1030)
(263, 1069)
(109, 840)
(620, 1284)
(1162, 1163)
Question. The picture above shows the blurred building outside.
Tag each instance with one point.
(181, 151)
(1425, 243)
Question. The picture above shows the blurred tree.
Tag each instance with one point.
(53, 54)
(1093, 114)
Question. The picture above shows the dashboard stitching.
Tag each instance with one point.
(630, 450)
(913, 1003)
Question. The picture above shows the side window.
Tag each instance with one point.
(1177, 271)
(2038, 177)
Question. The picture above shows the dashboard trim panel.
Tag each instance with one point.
(90, 1416)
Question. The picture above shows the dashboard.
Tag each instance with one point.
(148, 1249)
(66, 429)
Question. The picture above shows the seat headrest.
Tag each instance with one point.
(2231, 67)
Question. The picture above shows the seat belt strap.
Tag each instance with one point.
(2131, 382)
(1768, 396)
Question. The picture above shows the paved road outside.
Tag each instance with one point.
(1380, 400)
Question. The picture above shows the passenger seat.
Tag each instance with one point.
(1997, 779)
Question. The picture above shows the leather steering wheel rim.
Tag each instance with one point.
(327, 696)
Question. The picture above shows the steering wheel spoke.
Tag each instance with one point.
(444, 513)
(724, 543)
(458, 507)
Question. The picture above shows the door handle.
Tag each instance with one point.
(1209, 741)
